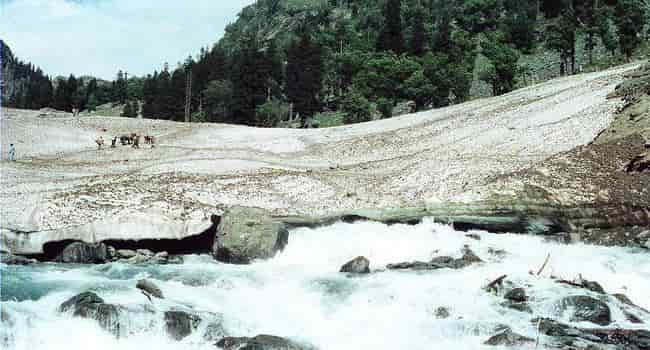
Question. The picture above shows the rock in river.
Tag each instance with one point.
(246, 234)
(90, 305)
(508, 338)
(11, 259)
(150, 288)
(260, 342)
(84, 253)
(180, 324)
(516, 295)
(357, 265)
(586, 308)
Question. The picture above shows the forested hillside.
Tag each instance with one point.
(23, 84)
(363, 57)
(309, 61)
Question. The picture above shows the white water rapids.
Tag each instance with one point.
(301, 295)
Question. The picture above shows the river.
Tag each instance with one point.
(301, 295)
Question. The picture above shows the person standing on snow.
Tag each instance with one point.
(12, 153)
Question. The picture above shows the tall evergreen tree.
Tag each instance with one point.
(630, 19)
(519, 23)
(249, 81)
(163, 96)
(417, 36)
(304, 75)
(561, 36)
(176, 98)
(390, 38)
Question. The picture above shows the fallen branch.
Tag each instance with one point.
(497, 282)
(544, 265)
(147, 295)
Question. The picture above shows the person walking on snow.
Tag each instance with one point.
(100, 142)
(12, 153)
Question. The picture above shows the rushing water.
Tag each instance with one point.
(301, 295)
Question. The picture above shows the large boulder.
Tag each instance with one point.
(90, 305)
(586, 308)
(246, 234)
(84, 253)
(260, 342)
(628, 339)
(149, 288)
(180, 324)
(357, 265)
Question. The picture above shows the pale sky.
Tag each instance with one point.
(98, 37)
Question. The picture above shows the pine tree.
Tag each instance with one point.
(502, 73)
(127, 110)
(70, 91)
(163, 95)
(588, 11)
(519, 22)
(249, 82)
(630, 19)
(176, 98)
(60, 101)
(561, 36)
(417, 36)
(390, 38)
(304, 75)
(149, 93)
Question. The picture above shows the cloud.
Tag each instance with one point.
(98, 37)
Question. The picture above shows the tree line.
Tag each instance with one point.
(362, 57)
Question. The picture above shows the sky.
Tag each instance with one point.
(99, 37)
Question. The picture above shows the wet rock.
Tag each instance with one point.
(150, 288)
(357, 265)
(516, 299)
(125, 253)
(499, 253)
(593, 286)
(629, 305)
(625, 300)
(442, 312)
(586, 284)
(84, 253)
(214, 331)
(90, 305)
(586, 308)
(516, 295)
(11, 259)
(508, 338)
(518, 306)
(628, 339)
(144, 256)
(260, 342)
(468, 258)
(180, 324)
(561, 238)
(440, 262)
(643, 239)
(246, 234)
(112, 252)
(632, 317)
(144, 252)
(473, 236)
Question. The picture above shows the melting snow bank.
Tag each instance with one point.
(302, 296)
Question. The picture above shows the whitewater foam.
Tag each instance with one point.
(300, 294)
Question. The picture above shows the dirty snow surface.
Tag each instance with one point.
(61, 179)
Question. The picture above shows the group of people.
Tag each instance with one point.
(133, 140)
